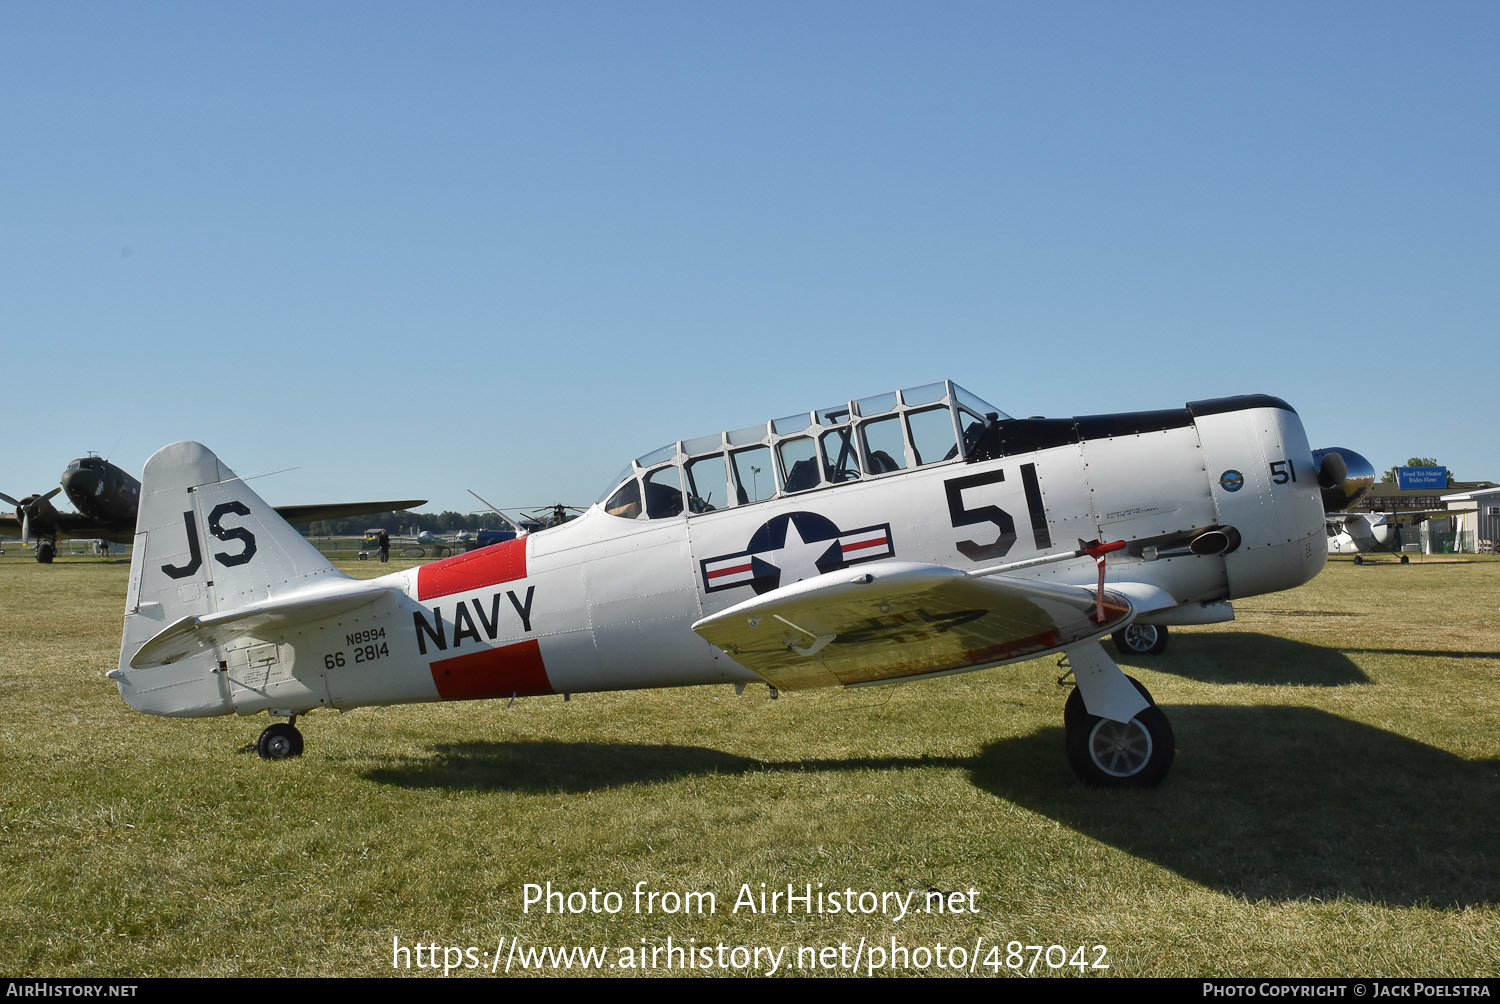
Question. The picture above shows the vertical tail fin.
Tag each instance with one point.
(204, 542)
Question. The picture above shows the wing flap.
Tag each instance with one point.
(892, 620)
(268, 620)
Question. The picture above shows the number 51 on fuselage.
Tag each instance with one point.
(914, 534)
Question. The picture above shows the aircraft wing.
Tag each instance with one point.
(1404, 515)
(896, 619)
(67, 525)
(341, 510)
(1417, 515)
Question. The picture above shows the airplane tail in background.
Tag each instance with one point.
(212, 562)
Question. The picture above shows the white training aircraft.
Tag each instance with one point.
(1360, 533)
(906, 536)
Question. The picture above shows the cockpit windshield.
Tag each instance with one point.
(858, 440)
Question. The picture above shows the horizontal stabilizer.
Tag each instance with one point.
(897, 619)
(266, 620)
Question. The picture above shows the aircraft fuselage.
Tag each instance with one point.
(1216, 501)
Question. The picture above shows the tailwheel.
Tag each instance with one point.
(279, 742)
(1141, 639)
(1110, 754)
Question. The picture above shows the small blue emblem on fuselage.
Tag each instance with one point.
(1231, 481)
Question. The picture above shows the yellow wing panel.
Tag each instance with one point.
(891, 620)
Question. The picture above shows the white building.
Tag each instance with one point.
(1478, 531)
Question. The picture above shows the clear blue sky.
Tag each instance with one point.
(412, 249)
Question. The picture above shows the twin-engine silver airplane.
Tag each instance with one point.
(905, 536)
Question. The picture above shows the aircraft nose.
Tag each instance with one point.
(1343, 475)
(80, 483)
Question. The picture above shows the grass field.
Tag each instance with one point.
(1334, 808)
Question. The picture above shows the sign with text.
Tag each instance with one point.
(1409, 478)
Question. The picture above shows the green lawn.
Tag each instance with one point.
(1334, 808)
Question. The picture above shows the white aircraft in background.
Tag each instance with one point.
(906, 536)
(1360, 533)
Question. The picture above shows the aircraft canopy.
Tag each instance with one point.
(860, 440)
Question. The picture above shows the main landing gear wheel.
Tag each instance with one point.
(1141, 639)
(1109, 754)
(45, 551)
(279, 742)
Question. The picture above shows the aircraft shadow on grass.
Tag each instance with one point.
(1426, 653)
(1278, 803)
(1286, 803)
(1247, 657)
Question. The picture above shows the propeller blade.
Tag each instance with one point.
(8, 500)
(26, 511)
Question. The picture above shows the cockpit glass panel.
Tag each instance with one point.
(658, 456)
(840, 455)
(932, 437)
(753, 474)
(978, 406)
(664, 492)
(886, 445)
(833, 416)
(702, 444)
(791, 423)
(928, 393)
(877, 405)
(625, 503)
(973, 427)
(799, 459)
(629, 471)
(707, 483)
(750, 434)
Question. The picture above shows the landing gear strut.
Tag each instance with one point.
(280, 741)
(1110, 754)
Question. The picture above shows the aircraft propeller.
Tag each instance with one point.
(26, 508)
(1344, 477)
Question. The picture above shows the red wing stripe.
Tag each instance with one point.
(860, 545)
